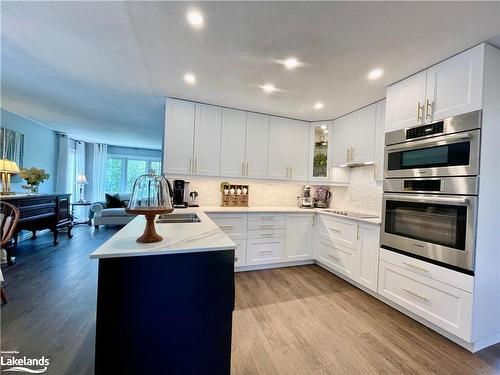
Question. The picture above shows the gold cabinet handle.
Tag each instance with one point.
(357, 232)
(428, 108)
(419, 109)
(291, 171)
(246, 174)
(347, 154)
(416, 267)
(418, 295)
(243, 168)
(352, 154)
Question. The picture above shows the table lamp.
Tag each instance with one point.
(7, 168)
(81, 180)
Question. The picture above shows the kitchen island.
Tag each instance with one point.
(166, 307)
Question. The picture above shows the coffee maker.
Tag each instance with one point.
(180, 194)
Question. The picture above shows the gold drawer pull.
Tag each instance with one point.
(415, 294)
(416, 267)
(267, 225)
(266, 251)
(335, 229)
(266, 234)
(227, 227)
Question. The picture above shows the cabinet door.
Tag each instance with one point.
(207, 140)
(298, 150)
(379, 141)
(319, 151)
(298, 241)
(232, 155)
(257, 145)
(455, 86)
(402, 101)
(343, 138)
(179, 135)
(368, 246)
(279, 161)
(364, 138)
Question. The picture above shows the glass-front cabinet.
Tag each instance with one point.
(320, 151)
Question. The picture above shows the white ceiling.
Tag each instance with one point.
(98, 71)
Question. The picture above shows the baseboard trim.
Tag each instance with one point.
(259, 267)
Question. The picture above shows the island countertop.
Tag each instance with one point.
(177, 238)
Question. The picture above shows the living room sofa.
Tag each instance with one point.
(102, 215)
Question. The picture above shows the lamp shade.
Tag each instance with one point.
(81, 179)
(8, 166)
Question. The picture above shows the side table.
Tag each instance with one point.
(85, 203)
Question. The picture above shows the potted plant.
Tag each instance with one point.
(34, 177)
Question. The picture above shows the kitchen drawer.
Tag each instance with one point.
(240, 253)
(419, 267)
(338, 257)
(256, 225)
(263, 251)
(446, 306)
(340, 231)
(274, 218)
(235, 226)
(266, 233)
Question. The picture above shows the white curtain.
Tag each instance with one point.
(79, 164)
(98, 177)
(62, 164)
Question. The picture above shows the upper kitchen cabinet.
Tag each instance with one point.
(405, 102)
(207, 136)
(354, 137)
(179, 136)
(257, 145)
(319, 151)
(455, 86)
(288, 149)
(379, 141)
(233, 137)
(450, 88)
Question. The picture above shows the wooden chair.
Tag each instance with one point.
(9, 217)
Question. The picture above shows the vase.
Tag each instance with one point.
(33, 189)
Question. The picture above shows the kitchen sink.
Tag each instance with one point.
(178, 218)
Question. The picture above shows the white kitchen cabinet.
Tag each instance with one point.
(405, 102)
(368, 247)
(449, 88)
(320, 135)
(455, 86)
(298, 150)
(363, 144)
(379, 141)
(298, 237)
(233, 140)
(278, 164)
(179, 136)
(337, 257)
(257, 145)
(288, 149)
(344, 130)
(240, 253)
(207, 136)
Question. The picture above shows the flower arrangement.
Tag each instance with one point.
(34, 177)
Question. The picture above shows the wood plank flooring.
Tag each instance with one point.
(300, 320)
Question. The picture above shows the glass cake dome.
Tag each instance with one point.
(150, 194)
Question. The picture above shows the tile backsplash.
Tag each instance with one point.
(362, 194)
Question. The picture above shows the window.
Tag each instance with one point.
(121, 172)
(71, 176)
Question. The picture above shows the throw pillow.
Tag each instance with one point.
(113, 201)
(125, 203)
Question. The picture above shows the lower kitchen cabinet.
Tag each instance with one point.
(408, 283)
(337, 257)
(240, 253)
(368, 247)
(298, 237)
(264, 250)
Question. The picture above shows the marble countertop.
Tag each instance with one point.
(177, 238)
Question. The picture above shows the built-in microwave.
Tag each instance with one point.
(434, 219)
(446, 148)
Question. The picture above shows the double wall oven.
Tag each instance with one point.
(431, 182)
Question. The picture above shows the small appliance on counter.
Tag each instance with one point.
(322, 197)
(180, 194)
(193, 199)
(305, 200)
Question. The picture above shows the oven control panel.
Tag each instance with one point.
(425, 130)
(422, 185)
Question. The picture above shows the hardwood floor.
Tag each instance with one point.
(300, 320)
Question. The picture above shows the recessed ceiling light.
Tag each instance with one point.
(325, 131)
(268, 87)
(375, 73)
(190, 78)
(319, 105)
(324, 127)
(289, 63)
(195, 18)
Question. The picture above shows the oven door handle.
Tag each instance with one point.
(441, 140)
(426, 199)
